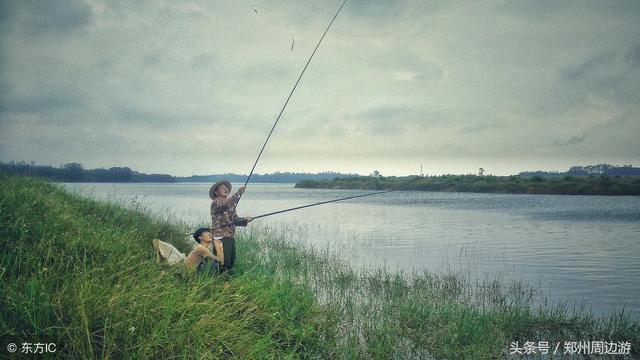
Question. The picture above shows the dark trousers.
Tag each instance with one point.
(210, 267)
(229, 248)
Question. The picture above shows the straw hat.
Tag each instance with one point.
(212, 191)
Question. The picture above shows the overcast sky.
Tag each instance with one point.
(194, 87)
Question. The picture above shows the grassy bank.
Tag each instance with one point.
(568, 185)
(82, 274)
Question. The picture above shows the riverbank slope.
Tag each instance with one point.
(82, 274)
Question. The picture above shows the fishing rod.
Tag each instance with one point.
(307, 206)
(304, 206)
(291, 94)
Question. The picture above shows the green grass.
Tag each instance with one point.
(82, 274)
(567, 185)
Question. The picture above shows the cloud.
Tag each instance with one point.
(42, 18)
(586, 68)
(388, 11)
(633, 56)
(392, 79)
(395, 120)
(481, 127)
(574, 140)
(453, 150)
(203, 60)
(611, 75)
(38, 103)
(148, 117)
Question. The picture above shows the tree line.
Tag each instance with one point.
(565, 185)
(599, 169)
(75, 172)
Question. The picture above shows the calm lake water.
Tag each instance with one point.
(576, 248)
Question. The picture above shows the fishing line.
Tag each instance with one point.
(291, 94)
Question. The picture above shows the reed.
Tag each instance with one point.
(449, 315)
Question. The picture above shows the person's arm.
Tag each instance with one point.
(233, 199)
(217, 244)
(242, 221)
(204, 252)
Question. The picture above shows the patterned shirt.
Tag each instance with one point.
(223, 211)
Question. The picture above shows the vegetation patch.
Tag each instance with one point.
(567, 185)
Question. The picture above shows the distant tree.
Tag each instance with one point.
(73, 172)
(480, 171)
(119, 174)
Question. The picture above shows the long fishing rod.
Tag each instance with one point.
(307, 206)
(320, 203)
(304, 206)
(291, 94)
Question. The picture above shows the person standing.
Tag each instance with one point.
(224, 219)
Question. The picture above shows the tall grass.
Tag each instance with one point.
(82, 274)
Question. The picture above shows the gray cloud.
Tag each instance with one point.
(39, 18)
(152, 118)
(579, 71)
(394, 82)
(454, 150)
(38, 103)
(396, 120)
(203, 60)
(386, 120)
(574, 140)
(480, 128)
(633, 56)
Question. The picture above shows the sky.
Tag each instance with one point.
(193, 87)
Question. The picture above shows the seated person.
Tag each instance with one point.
(198, 256)
(167, 253)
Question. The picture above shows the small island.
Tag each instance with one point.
(576, 181)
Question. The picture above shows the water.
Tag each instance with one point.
(576, 248)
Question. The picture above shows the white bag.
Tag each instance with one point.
(167, 253)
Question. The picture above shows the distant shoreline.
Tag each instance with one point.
(568, 185)
(600, 179)
(76, 173)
